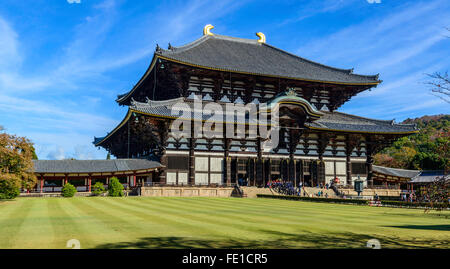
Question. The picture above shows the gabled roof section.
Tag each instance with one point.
(396, 172)
(93, 166)
(249, 56)
(342, 122)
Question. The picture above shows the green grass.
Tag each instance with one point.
(163, 222)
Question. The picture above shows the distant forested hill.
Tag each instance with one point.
(427, 150)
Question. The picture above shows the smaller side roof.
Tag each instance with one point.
(396, 172)
(430, 176)
(93, 166)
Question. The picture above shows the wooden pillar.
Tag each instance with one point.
(66, 180)
(134, 179)
(227, 160)
(228, 170)
(42, 184)
(89, 183)
(191, 171)
(348, 167)
(369, 162)
(259, 164)
(291, 168)
(254, 160)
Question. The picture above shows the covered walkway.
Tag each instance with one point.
(53, 174)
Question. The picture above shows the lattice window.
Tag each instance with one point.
(359, 168)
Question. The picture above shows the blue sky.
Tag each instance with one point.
(63, 62)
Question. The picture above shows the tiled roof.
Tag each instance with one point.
(335, 121)
(430, 176)
(93, 166)
(396, 172)
(346, 122)
(251, 57)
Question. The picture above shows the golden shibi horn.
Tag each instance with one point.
(207, 29)
(262, 37)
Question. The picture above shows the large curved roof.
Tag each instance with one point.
(252, 57)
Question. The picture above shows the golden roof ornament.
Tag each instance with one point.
(262, 37)
(291, 92)
(207, 29)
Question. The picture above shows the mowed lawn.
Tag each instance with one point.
(166, 222)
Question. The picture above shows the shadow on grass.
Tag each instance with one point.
(282, 241)
(424, 227)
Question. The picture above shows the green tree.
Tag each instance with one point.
(115, 188)
(16, 165)
(98, 189)
(68, 190)
(427, 150)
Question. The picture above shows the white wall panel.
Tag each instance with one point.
(182, 178)
(216, 164)
(201, 178)
(201, 164)
(340, 168)
(329, 168)
(216, 178)
(171, 178)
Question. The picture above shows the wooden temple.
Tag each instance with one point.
(317, 144)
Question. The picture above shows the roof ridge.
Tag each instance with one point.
(185, 46)
(365, 118)
(397, 168)
(346, 71)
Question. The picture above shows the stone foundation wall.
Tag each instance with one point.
(186, 192)
(372, 192)
(251, 192)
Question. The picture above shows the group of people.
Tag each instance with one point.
(408, 198)
(284, 187)
(288, 188)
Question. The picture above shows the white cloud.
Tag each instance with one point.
(403, 46)
(74, 1)
(56, 154)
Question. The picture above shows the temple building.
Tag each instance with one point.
(317, 144)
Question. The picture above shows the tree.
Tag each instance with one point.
(436, 193)
(98, 189)
(429, 149)
(440, 85)
(108, 156)
(68, 190)
(115, 188)
(16, 165)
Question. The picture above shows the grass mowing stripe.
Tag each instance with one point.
(357, 223)
(93, 231)
(287, 220)
(12, 221)
(66, 226)
(261, 215)
(122, 227)
(187, 223)
(234, 227)
(36, 227)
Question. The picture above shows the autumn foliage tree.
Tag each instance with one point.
(16, 166)
(427, 150)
